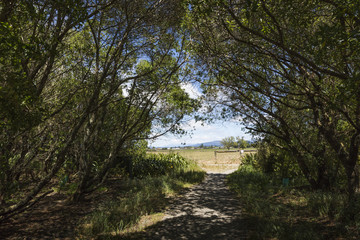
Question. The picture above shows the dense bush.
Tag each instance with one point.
(158, 164)
(275, 161)
(289, 81)
(69, 105)
(293, 212)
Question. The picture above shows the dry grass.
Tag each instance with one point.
(207, 160)
(144, 222)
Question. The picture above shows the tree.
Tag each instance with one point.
(282, 71)
(228, 142)
(32, 33)
(241, 143)
(96, 78)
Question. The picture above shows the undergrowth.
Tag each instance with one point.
(160, 164)
(146, 194)
(274, 211)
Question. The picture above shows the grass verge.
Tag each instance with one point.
(277, 212)
(138, 204)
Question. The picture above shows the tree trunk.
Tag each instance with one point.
(304, 168)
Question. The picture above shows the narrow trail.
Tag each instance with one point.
(206, 211)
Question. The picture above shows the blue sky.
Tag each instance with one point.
(201, 134)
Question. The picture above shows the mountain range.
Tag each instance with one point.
(207, 144)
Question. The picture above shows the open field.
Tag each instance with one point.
(220, 162)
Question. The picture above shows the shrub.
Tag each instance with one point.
(158, 164)
(158, 176)
(250, 159)
(326, 204)
(291, 213)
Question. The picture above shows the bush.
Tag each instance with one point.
(158, 177)
(276, 161)
(291, 213)
(248, 178)
(114, 216)
(250, 159)
(326, 204)
(158, 164)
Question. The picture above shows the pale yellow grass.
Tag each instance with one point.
(205, 158)
(145, 221)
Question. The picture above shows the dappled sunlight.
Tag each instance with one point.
(208, 210)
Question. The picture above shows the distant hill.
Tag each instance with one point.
(213, 143)
(207, 144)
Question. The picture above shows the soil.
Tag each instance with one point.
(53, 217)
(206, 211)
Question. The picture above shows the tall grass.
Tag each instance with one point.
(158, 177)
(159, 164)
(278, 212)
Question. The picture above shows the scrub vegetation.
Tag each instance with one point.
(84, 85)
(157, 178)
(275, 208)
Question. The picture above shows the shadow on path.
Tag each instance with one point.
(206, 211)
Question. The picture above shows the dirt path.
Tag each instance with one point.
(206, 211)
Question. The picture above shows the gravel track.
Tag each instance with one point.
(206, 211)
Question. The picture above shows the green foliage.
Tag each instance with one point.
(287, 70)
(114, 216)
(142, 196)
(250, 159)
(247, 176)
(276, 161)
(81, 84)
(232, 142)
(241, 143)
(289, 213)
(159, 164)
(327, 204)
(17, 92)
(228, 142)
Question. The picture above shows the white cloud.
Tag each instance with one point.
(201, 133)
(191, 90)
(125, 92)
(206, 133)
